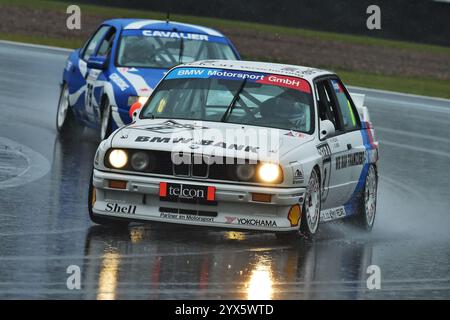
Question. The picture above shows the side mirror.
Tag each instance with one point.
(135, 109)
(96, 62)
(327, 129)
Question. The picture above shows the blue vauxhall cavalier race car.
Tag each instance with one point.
(122, 62)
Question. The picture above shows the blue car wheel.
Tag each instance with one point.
(65, 120)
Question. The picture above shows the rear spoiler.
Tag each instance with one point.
(363, 111)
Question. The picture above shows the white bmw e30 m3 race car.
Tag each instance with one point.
(241, 145)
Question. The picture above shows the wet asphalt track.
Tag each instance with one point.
(44, 226)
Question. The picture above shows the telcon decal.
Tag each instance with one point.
(186, 192)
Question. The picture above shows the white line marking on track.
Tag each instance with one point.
(402, 186)
(37, 167)
(415, 148)
(37, 46)
(413, 134)
(415, 105)
(350, 88)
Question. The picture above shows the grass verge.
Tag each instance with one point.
(63, 43)
(420, 86)
(108, 12)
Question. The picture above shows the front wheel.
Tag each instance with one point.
(365, 216)
(311, 207)
(310, 217)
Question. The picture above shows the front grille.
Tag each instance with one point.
(200, 166)
(189, 165)
(193, 165)
(181, 170)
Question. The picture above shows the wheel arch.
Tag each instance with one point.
(375, 165)
(104, 97)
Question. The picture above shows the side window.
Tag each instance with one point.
(93, 42)
(348, 112)
(326, 104)
(107, 43)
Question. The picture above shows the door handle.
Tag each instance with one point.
(349, 146)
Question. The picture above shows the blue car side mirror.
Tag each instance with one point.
(96, 62)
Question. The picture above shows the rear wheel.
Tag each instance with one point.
(365, 217)
(65, 119)
(106, 221)
(105, 125)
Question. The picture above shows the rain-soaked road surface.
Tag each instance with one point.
(44, 227)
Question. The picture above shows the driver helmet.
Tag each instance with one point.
(138, 50)
(288, 110)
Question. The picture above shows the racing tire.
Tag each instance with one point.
(65, 119)
(367, 208)
(105, 121)
(105, 221)
(311, 207)
(310, 217)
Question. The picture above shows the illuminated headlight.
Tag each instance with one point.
(140, 161)
(133, 99)
(245, 172)
(118, 158)
(269, 172)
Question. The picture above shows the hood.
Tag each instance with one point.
(216, 139)
(142, 80)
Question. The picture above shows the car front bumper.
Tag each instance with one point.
(234, 207)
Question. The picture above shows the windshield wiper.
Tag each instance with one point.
(233, 102)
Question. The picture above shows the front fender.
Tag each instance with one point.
(299, 164)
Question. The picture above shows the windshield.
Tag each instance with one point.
(233, 96)
(165, 49)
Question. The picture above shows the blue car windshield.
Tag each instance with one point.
(149, 51)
